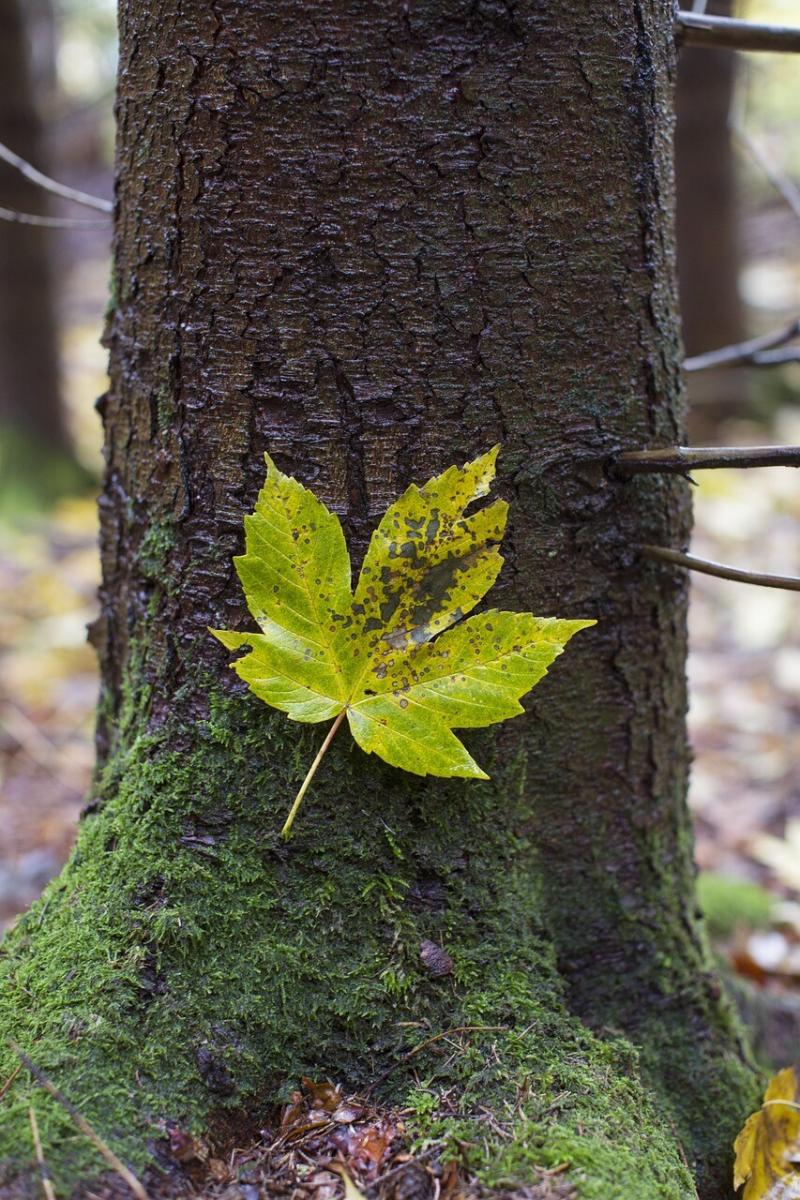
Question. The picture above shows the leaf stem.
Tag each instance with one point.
(312, 770)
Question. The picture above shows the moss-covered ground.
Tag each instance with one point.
(189, 961)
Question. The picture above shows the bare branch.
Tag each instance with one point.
(44, 1174)
(776, 358)
(693, 29)
(750, 353)
(20, 218)
(50, 185)
(677, 460)
(690, 563)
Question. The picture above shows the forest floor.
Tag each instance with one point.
(318, 1146)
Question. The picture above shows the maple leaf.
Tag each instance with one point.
(396, 657)
(768, 1146)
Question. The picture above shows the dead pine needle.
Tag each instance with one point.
(80, 1121)
(44, 1174)
(9, 1081)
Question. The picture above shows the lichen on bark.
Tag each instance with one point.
(375, 244)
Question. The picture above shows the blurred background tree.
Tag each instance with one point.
(38, 457)
(708, 231)
(54, 99)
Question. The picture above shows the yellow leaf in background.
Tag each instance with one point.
(781, 854)
(351, 1190)
(768, 1146)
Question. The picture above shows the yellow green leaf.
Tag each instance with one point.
(472, 675)
(295, 573)
(428, 564)
(768, 1147)
(397, 658)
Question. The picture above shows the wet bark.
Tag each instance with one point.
(31, 413)
(374, 243)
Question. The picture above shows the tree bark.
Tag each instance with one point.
(374, 241)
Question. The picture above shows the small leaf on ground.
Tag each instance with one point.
(351, 1191)
(323, 1095)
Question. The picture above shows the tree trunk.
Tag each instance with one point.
(709, 250)
(374, 242)
(37, 456)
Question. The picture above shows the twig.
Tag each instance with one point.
(692, 29)
(677, 460)
(395, 1171)
(549, 1174)
(21, 218)
(9, 1081)
(690, 563)
(44, 1174)
(777, 358)
(753, 352)
(494, 1124)
(108, 1154)
(50, 185)
(779, 180)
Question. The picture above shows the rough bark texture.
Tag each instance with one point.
(375, 240)
(32, 425)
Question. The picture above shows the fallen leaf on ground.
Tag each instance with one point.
(323, 1095)
(351, 1192)
(768, 1146)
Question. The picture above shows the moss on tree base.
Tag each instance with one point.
(188, 961)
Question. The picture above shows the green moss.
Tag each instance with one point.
(153, 555)
(727, 902)
(114, 292)
(165, 408)
(189, 960)
(544, 1092)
